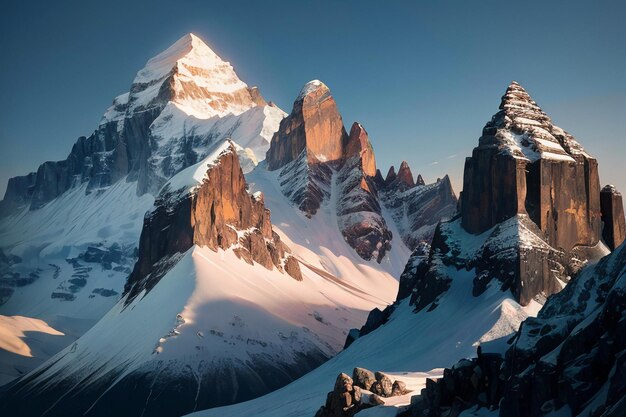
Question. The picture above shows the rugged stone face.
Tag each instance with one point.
(405, 176)
(347, 399)
(526, 165)
(573, 354)
(312, 151)
(416, 210)
(359, 146)
(530, 198)
(473, 381)
(308, 143)
(210, 216)
(358, 209)
(614, 230)
(314, 126)
(391, 175)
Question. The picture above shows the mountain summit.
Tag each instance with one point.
(183, 103)
(192, 76)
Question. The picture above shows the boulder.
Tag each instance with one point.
(363, 378)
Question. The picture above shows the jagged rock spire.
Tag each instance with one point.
(391, 175)
(314, 126)
(611, 205)
(359, 145)
(526, 166)
(405, 175)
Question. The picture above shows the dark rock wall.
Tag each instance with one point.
(612, 206)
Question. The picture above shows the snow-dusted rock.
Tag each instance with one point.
(570, 359)
(417, 209)
(530, 209)
(526, 165)
(359, 213)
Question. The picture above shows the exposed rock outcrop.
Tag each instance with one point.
(314, 153)
(405, 176)
(526, 165)
(416, 209)
(314, 126)
(359, 146)
(218, 214)
(612, 206)
(364, 390)
(358, 209)
(308, 142)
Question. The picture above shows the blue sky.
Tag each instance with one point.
(422, 77)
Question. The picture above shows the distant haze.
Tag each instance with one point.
(422, 77)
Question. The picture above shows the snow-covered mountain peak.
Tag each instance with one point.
(190, 51)
(522, 129)
(310, 87)
(192, 77)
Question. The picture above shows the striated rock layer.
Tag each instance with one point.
(526, 165)
(217, 214)
(530, 207)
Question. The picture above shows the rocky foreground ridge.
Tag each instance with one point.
(571, 357)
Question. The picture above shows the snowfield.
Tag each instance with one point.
(409, 342)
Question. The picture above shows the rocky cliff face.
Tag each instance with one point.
(417, 208)
(188, 80)
(358, 210)
(526, 165)
(315, 156)
(529, 210)
(314, 126)
(614, 229)
(309, 142)
(219, 214)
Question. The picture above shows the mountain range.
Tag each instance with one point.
(205, 251)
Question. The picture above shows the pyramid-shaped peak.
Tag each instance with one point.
(310, 87)
(190, 52)
(405, 175)
(517, 97)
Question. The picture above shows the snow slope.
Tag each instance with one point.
(25, 340)
(214, 314)
(409, 342)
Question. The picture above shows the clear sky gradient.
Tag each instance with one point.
(422, 77)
